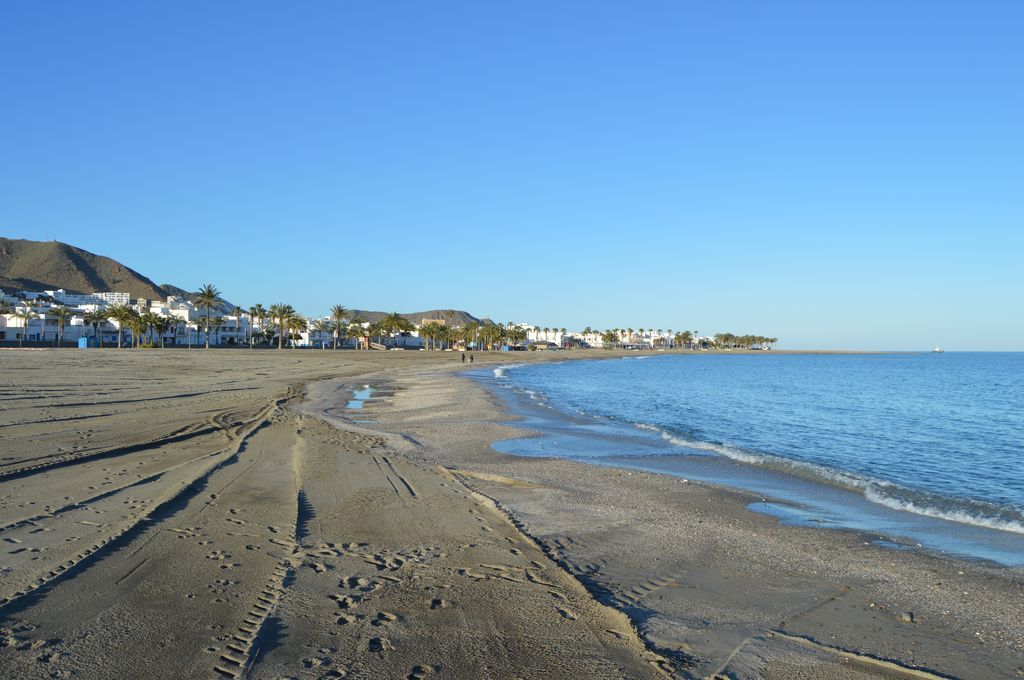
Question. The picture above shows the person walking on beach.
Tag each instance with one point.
(463, 357)
(470, 358)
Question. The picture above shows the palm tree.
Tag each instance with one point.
(296, 324)
(355, 328)
(121, 314)
(25, 315)
(62, 314)
(341, 331)
(6, 308)
(394, 323)
(162, 325)
(138, 326)
(173, 323)
(490, 335)
(432, 333)
(374, 330)
(94, 319)
(256, 312)
(338, 314)
(469, 333)
(215, 325)
(280, 313)
(150, 320)
(321, 326)
(206, 298)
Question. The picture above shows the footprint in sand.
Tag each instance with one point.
(567, 614)
(438, 603)
(318, 567)
(380, 644)
(360, 583)
(345, 601)
(420, 672)
(383, 619)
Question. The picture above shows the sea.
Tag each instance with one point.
(915, 451)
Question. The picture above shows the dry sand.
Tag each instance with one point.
(221, 514)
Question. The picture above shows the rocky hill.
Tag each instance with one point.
(47, 265)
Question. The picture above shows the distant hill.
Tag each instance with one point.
(452, 317)
(48, 265)
(225, 306)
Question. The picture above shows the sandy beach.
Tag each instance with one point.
(223, 514)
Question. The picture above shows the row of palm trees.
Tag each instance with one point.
(439, 336)
(619, 337)
(26, 316)
(342, 323)
(731, 341)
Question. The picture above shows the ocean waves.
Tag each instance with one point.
(501, 372)
(889, 494)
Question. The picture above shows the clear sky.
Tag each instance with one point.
(835, 174)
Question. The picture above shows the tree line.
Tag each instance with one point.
(285, 324)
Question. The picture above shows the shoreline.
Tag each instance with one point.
(903, 612)
(393, 540)
(792, 492)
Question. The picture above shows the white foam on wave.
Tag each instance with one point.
(877, 495)
(501, 371)
(874, 490)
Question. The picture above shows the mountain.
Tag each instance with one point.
(48, 265)
(452, 317)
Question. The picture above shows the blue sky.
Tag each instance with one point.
(837, 175)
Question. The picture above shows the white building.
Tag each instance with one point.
(114, 298)
(76, 299)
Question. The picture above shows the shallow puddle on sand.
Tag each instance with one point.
(360, 396)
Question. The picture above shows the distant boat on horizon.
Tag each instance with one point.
(937, 350)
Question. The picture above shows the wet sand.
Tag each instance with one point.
(222, 514)
(712, 586)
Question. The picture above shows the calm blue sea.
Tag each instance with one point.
(911, 436)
